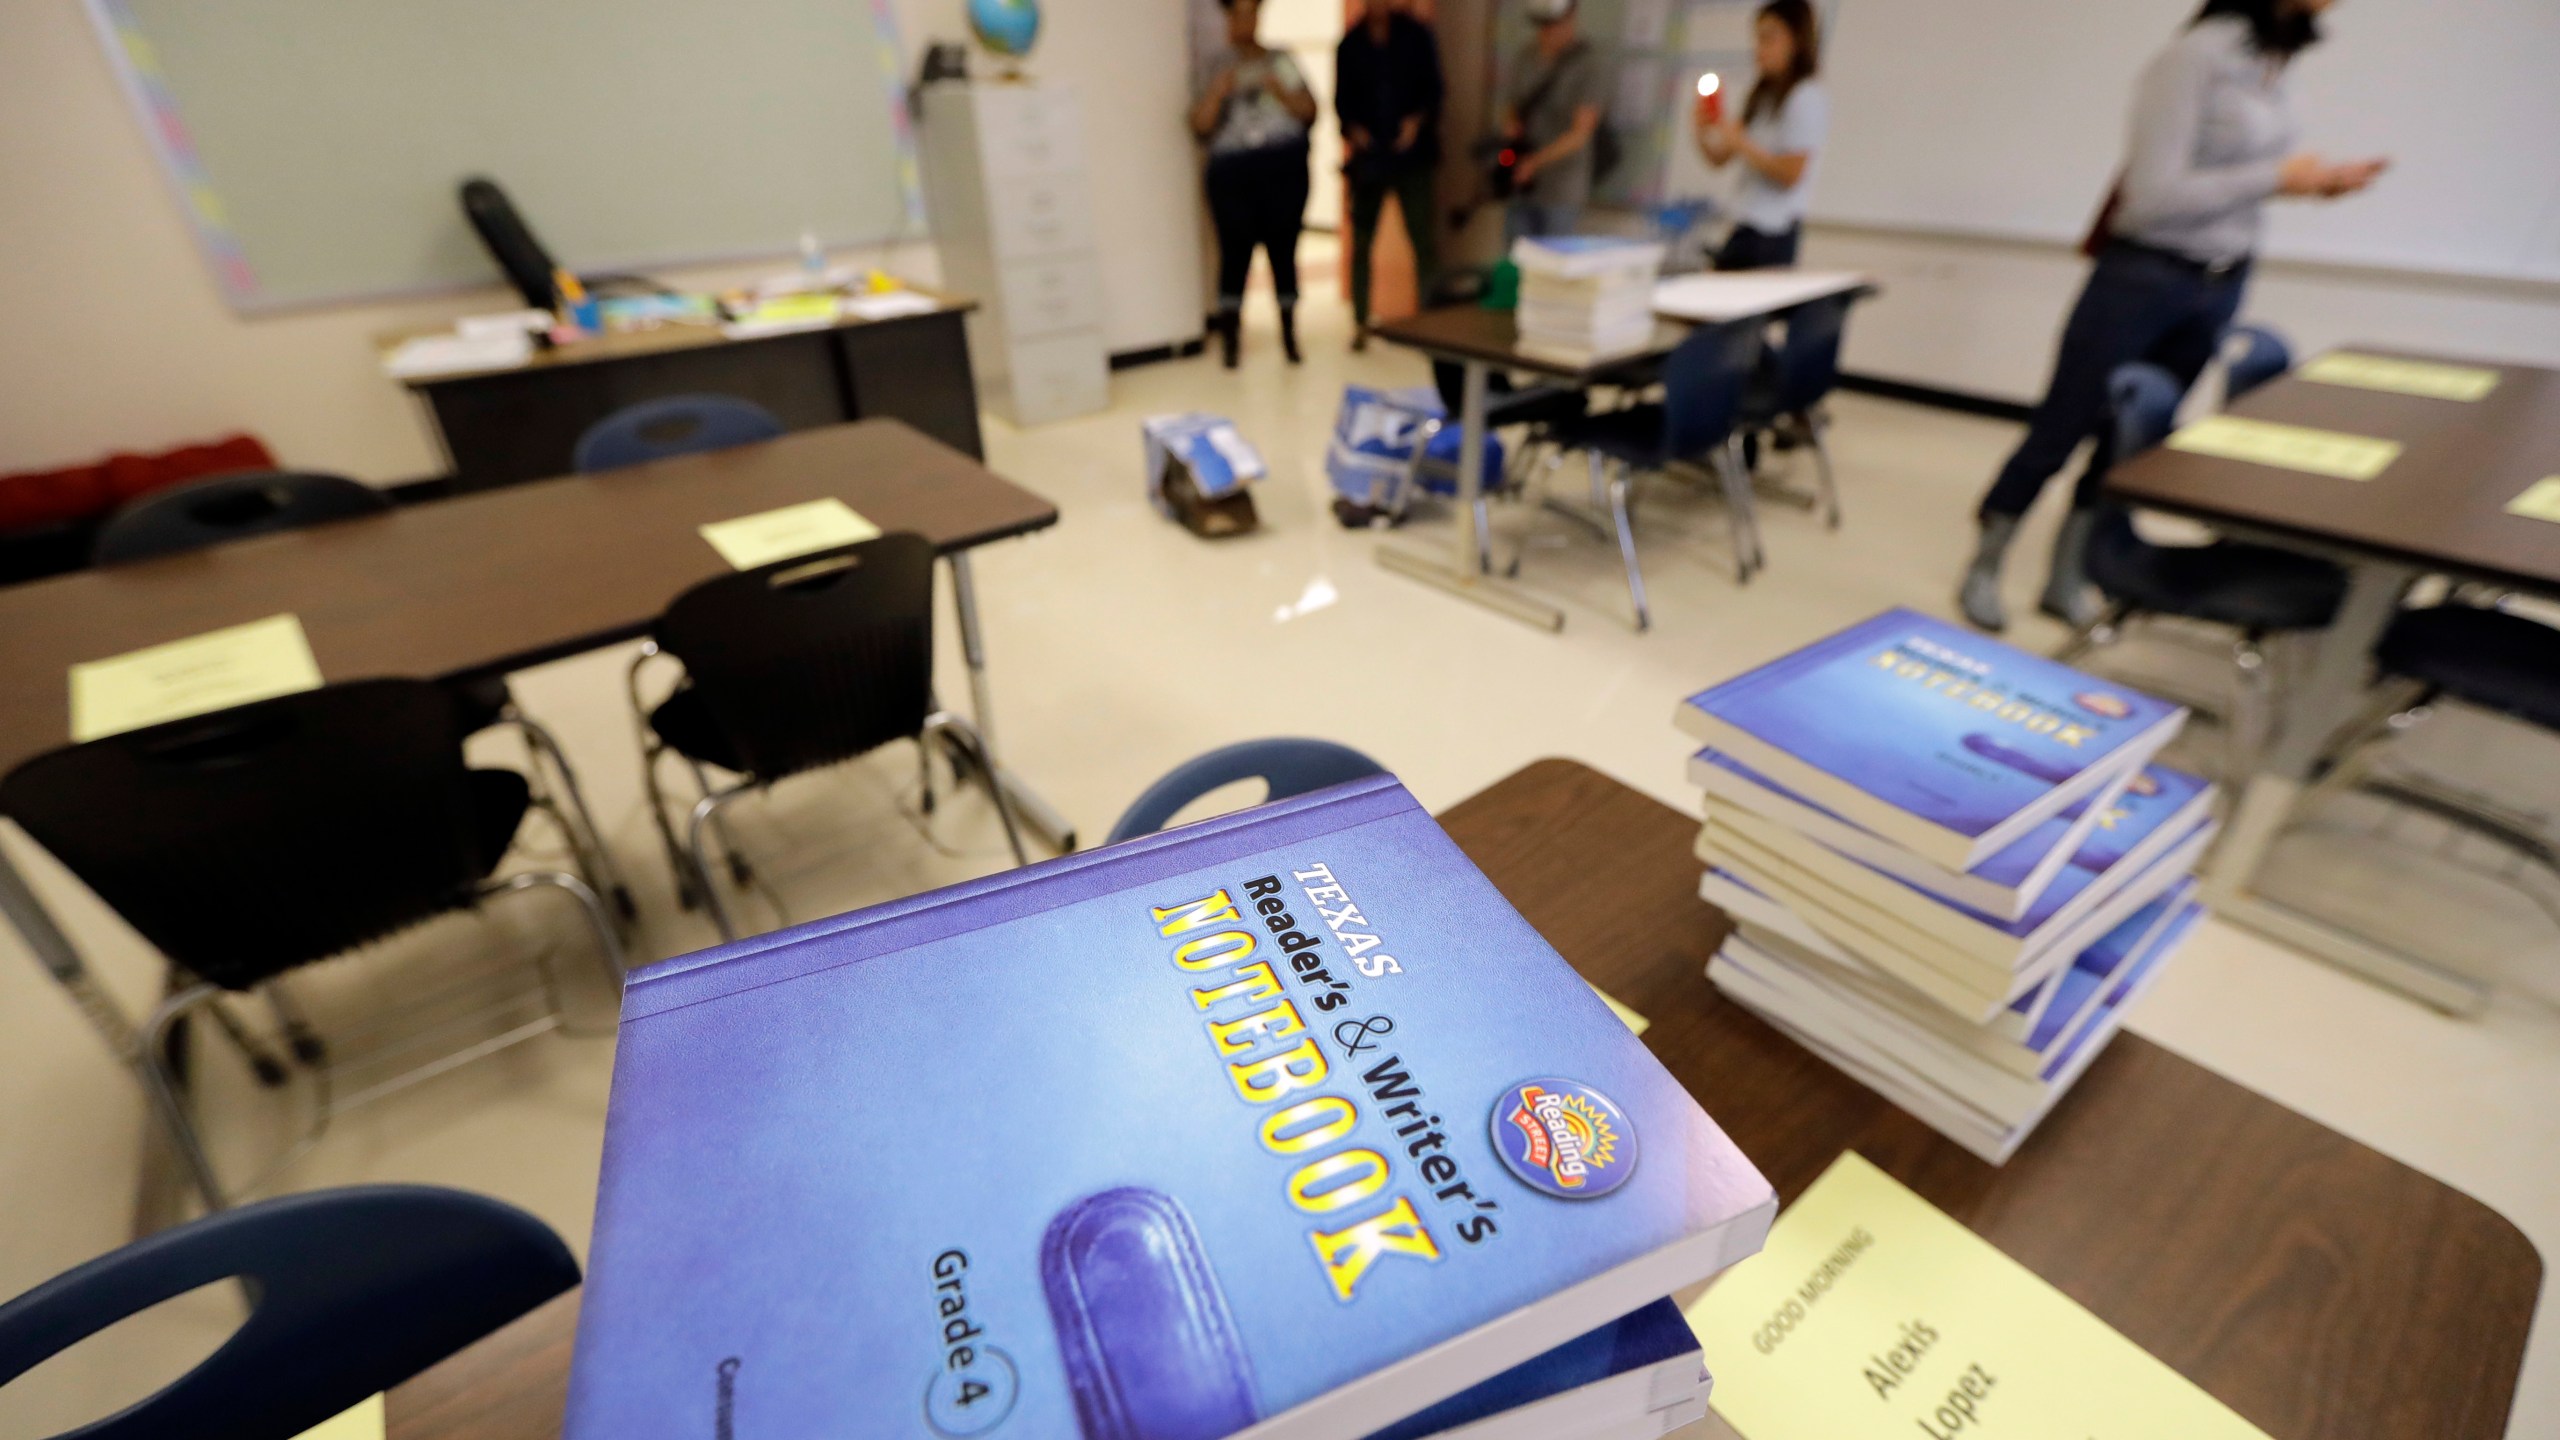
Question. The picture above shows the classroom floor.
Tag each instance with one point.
(1121, 645)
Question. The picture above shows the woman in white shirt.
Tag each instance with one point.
(1252, 109)
(1777, 138)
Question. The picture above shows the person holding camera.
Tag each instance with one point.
(1550, 118)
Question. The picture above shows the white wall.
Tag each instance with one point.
(113, 336)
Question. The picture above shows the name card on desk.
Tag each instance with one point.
(194, 676)
(793, 530)
(2540, 501)
(1871, 1315)
(2423, 378)
(367, 1421)
(2288, 447)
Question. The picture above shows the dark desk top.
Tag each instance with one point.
(2319, 1288)
(2441, 505)
(1471, 332)
(657, 340)
(491, 581)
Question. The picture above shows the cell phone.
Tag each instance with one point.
(1710, 98)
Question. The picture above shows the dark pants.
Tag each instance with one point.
(1749, 249)
(1258, 197)
(1414, 191)
(2138, 305)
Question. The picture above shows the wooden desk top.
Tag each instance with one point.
(491, 581)
(2318, 1288)
(2441, 505)
(1471, 332)
(657, 340)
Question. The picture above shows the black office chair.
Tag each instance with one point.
(251, 842)
(353, 1291)
(225, 508)
(1696, 425)
(1801, 373)
(1285, 767)
(788, 668)
(676, 425)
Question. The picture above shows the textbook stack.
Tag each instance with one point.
(1585, 297)
(1281, 1126)
(1951, 865)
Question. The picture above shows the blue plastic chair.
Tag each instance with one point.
(223, 508)
(1801, 373)
(1289, 767)
(676, 425)
(353, 1291)
(2253, 355)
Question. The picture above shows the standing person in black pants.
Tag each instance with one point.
(2213, 138)
(1387, 94)
(1253, 110)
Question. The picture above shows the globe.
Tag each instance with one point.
(1006, 27)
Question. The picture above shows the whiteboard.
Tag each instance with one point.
(2007, 117)
(316, 145)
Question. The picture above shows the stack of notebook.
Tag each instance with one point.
(1280, 1125)
(1951, 864)
(1585, 297)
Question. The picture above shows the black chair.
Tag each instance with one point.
(1285, 767)
(675, 425)
(224, 508)
(1801, 373)
(248, 843)
(788, 668)
(1696, 425)
(352, 1292)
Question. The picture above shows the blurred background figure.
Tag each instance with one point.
(1253, 111)
(2212, 142)
(1777, 138)
(1550, 114)
(1387, 96)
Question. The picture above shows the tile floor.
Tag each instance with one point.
(1120, 646)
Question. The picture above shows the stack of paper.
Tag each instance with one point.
(1585, 297)
(1951, 864)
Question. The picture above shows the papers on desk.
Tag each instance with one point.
(2288, 447)
(890, 304)
(366, 1421)
(194, 676)
(774, 535)
(785, 315)
(1720, 298)
(2423, 378)
(491, 347)
(2540, 501)
(1872, 1315)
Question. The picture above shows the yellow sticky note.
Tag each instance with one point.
(762, 539)
(1629, 1018)
(2540, 501)
(2423, 378)
(195, 676)
(365, 1422)
(1871, 1315)
(2288, 447)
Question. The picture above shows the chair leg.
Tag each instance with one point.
(2101, 631)
(924, 775)
(740, 872)
(1736, 484)
(689, 887)
(608, 936)
(168, 1095)
(2394, 709)
(299, 1032)
(698, 831)
(967, 738)
(271, 1071)
(1813, 428)
(586, 838)
(1620, 481)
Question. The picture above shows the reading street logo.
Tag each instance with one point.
(1564, 1138)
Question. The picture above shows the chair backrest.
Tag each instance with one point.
(248, 841)
(356, 1290)
(813, 660)
(1704, 382)
(675, 425)
(2252, 355)
(1808, 360)
(2143, 401)
(223, 508)
(1289, 767)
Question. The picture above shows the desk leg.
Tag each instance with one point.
(1463, 573)
(1038, 813)
(2330, 694)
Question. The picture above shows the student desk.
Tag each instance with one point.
(2439, 509)
(488, 583)
(1480, 341)
(2320, 1289)
(501, 427)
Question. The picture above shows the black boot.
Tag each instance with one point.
(1230, 327)
(1289, 332)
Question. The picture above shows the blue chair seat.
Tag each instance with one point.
(1287, 767)
(2482, 657)
(2256, 588)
